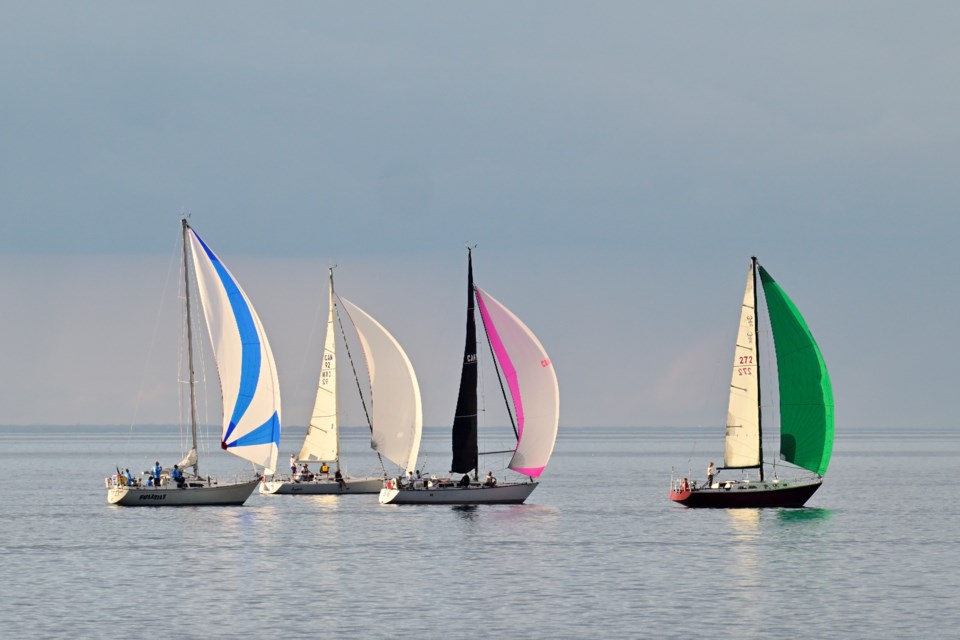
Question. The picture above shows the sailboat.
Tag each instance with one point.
(522, 361)
(806, 410)
(248, 385)
(396, 420)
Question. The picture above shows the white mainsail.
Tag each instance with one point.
(396, 412)
(528, 371)
(248, 375)
(322, 442)
(742, 448)
(190, 460)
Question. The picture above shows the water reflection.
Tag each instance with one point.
(744, 523)
(745, 567)
(324, 502)
(522, 519)
(803, 515)
(466, 512)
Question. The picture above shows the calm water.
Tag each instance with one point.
(598, 551)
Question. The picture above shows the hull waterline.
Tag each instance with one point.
(322, 487)
(475, 494)
(747, 495)
(191, 496)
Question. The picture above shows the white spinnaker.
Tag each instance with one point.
(396, 412)
(255, 406)
(742, 446)
(533, 385)
(322, 441)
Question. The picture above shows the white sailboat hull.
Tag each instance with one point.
(474, 494)
(191, 496)
(370, 485)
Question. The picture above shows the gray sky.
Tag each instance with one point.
(616, 162)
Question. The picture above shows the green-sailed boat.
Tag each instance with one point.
(806, 412)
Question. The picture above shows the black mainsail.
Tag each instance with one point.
(465, 452)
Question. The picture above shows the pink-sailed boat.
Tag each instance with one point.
(527, 373)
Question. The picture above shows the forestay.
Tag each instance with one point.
(396, 412)
(532, 382)
(248, 376)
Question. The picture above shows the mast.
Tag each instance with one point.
(756, 310)
(333, 346)
(465, 450)
(193, 393)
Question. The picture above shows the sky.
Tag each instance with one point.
(616, 164)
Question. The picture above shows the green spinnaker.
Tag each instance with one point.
(806, 395)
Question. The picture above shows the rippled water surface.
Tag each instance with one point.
(598, 551)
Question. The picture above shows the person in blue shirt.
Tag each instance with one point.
(129, 478)
(157, 470)
(177, 476)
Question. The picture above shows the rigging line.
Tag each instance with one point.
(423, 465)
(693, 449)
(153, 341)
(181, 351)
(356, 377)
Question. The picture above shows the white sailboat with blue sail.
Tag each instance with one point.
(395, 414)
(249, 389)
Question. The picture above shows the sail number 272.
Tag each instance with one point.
(745, 360)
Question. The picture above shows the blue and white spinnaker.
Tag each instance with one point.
(248, 374)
